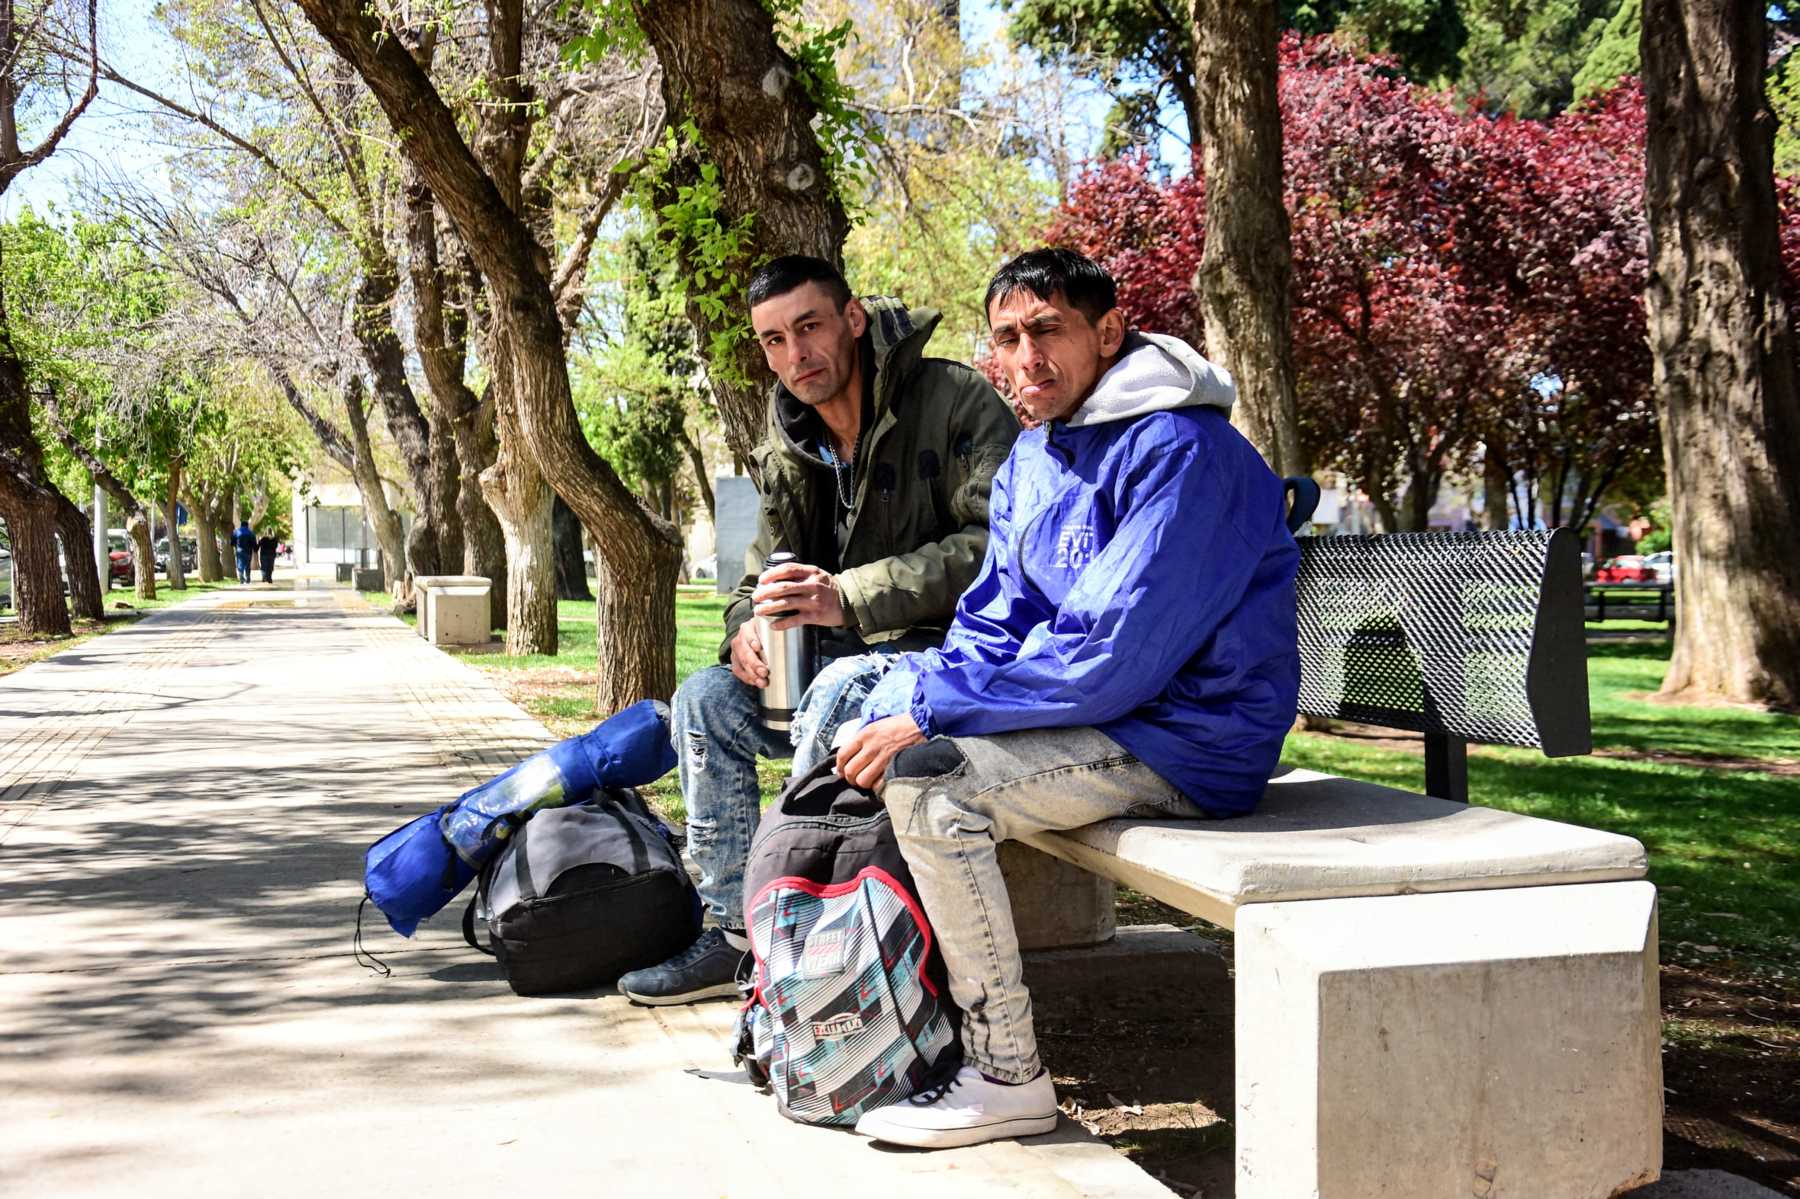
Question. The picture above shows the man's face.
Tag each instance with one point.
(808, 342)
(1051, 353)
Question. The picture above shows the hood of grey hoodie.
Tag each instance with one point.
(1155, 373)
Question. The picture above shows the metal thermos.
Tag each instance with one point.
(792, 656)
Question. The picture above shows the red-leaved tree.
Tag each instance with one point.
(1467, 291)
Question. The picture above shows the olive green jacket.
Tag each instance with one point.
(936, 434)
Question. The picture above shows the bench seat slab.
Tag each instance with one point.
(1318, 836)
(1495, 1043)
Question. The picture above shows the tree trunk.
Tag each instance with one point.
(702, 482)
(525, 312)
(723, 70)
(634, 613)
(212, 570)
(440, 330)
(382, 517)
(517, 493)
(1496, 485)
(1722, 350)
(571, 570)
(77, 535)
(376, 295)
(143, 554)
(177, 575)
(1247, 264)
(28, 504)
(446, 491)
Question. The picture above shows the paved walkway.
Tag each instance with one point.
(183, 809)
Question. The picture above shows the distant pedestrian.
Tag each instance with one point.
(265, 549)
(243, 543)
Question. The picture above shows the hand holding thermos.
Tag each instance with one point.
(776, 651)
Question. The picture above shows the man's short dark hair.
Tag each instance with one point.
(1083, 282)
(781, 275)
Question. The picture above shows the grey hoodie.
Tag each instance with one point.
(1155, 373)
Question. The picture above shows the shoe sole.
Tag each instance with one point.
(716, 991)
(956, 1138)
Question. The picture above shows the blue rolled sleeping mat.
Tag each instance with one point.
(419, 867)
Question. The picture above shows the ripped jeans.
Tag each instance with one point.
(717, 741)
(953, 800)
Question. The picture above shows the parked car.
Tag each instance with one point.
(118, 557)
(190, 554)
(1663, 564)
(1627, 569)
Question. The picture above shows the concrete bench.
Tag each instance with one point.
(1433, 999)
(453, 609)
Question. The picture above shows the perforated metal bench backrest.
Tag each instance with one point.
(1477, 636)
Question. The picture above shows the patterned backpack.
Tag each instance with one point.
(846, 1009)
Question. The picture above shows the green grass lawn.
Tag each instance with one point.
(1698, 786)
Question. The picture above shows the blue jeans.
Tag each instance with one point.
(717, 741)
(243, 565)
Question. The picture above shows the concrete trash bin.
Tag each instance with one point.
(343, 572)
(458, 615)
(423, 585)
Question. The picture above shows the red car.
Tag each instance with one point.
(1629, 569)
(119, 566)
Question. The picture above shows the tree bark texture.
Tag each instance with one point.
(571, 568)
(723, 69)
(77, 535)
(28, 503)
(446, 488)
(524, 307)
(441, 331)
(1247, 263)
(517, 493)
(212, 570)
(177, 574)
(1722, 349)
(1496, 485)
(406, 422)
(382, 517)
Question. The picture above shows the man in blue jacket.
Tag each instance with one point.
(1128, 647)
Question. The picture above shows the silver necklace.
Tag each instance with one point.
(843, 473)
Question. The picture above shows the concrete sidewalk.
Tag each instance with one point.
(183, 809)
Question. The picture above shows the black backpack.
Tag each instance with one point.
(581, 895)
(848, 1008)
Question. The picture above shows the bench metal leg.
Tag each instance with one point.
(1483, 1043)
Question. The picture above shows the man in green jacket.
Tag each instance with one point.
(875, 475)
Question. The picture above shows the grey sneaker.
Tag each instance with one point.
(707, 969)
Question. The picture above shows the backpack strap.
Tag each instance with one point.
(468, 916)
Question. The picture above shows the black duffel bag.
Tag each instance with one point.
(583, 894)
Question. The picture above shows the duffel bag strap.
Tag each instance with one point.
(468, 919)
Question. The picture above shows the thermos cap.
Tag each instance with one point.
(779, 558)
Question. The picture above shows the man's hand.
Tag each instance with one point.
(865, 757)
(747, 657)
(805, 594)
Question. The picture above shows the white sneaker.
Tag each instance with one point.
(967, 1110)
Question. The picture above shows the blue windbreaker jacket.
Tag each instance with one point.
(1139, 578)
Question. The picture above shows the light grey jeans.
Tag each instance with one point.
(953, 799)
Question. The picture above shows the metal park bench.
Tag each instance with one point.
(1433, 998)
(1630, 601)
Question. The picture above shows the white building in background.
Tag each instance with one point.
(330, 526)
